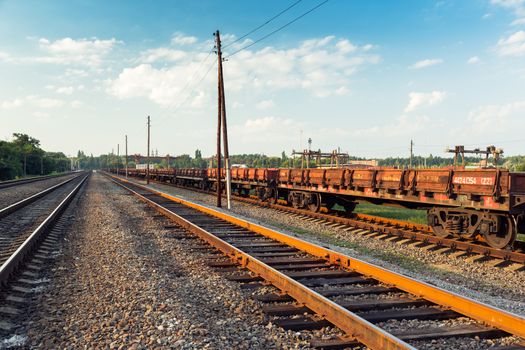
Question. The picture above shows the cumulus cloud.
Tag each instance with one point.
(265, 104)
(513, 45)
(345, 46)
(162, 54)
(181, 39)
(497, 118)
(424, 99)
(426, 63)
(321, 66)
(68, 51)
(473, 60)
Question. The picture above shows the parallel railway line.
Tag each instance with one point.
(397, 230)
(320, 287)
(12, 183)
(24, 223)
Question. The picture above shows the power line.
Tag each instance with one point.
(262, 25)
(278, 29)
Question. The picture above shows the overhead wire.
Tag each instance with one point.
(262, 25)
(277, 30)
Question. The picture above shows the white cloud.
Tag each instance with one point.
(68, 51)
(163, 86)
(265, 104)
(473, 60)
(345, 46)
(514, 45)
(343, 90)
(318, 65)
(486, 16)
(162, 54)
(497, 118)
(17, 102)
(32, 100)
(516, 6)
(181, 39)
(65, 90)
(424, 99)
(518, 22)
(4, 56)
(426, 63)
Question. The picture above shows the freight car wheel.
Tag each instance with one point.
(315, 202)
(440, 231)
(505, 235)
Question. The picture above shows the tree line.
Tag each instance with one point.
(23, 156)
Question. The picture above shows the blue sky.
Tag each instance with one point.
(365, 76)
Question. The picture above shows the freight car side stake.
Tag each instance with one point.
(261, 244)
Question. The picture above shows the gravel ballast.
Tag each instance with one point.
(122, 282)
(496, 286)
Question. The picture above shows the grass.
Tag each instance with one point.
(412, 215)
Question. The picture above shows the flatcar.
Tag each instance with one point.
(460, 203)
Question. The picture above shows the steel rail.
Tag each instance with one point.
(24, 202)
(353, 325)
(490, 315)
(14, 261)
(12, 183)
(402, 229)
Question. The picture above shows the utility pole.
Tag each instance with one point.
(411, 152)
(224, 124)
(147, 164)
(118, 158)
(126, 156)
(219, 120)
(42, 165)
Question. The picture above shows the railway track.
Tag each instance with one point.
(399, 231)
(23, 225)
(320, 287)
(12, 183)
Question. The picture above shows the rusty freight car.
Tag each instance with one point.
(459, 203)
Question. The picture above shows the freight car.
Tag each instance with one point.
(460, 203)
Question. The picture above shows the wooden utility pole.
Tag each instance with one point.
(118, 158)
(411, 152)
(147, 164)
(126, 156)
(222, 105)
(219, 114)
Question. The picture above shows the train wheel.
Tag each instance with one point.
(440, 231)
(315, 202)
(505, 235)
